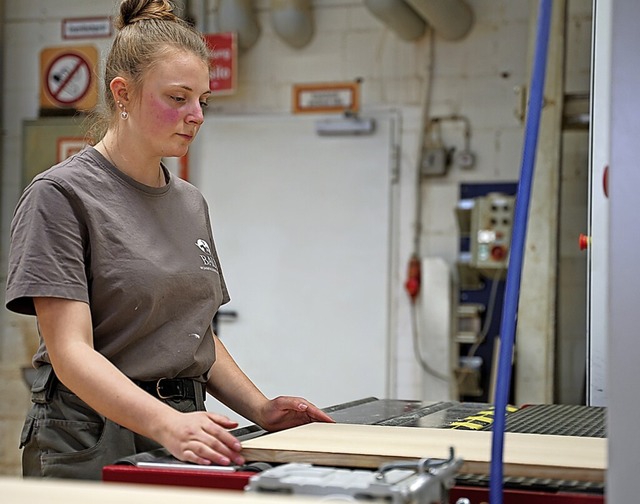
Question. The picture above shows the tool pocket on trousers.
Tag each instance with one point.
(70, 449)
(27, 430)
(68, 434)
(42, 386)
(62, 437)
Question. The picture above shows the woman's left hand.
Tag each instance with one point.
(284, 412)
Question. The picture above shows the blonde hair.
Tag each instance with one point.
(146, 31)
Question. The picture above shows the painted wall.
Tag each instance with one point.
(474, 77)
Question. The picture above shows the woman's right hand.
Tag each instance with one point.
(202, 438)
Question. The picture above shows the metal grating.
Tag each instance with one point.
(533, 484)
(558, 420)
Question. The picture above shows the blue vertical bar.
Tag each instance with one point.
(514, 273)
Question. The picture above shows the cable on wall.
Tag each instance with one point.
(414, 268)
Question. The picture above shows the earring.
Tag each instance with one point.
(124, 114)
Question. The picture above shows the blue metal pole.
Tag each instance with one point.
(516, 254)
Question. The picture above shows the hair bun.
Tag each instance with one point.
(132, 11)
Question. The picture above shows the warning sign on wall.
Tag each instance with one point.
(68, 78)
(223, 62)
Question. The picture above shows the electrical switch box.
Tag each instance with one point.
(490, 236)
(434, 162)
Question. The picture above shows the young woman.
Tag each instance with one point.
(116, 258)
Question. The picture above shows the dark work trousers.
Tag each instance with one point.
(63, 437)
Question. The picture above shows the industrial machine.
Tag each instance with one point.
(424, 481)
(421, 479)
(485, 218)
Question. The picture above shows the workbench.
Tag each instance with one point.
(554, 420)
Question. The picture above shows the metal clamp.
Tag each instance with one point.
(422, 466)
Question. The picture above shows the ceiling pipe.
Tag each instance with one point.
(399, 17)
(239, 16)
(450, 19)
(292, 20)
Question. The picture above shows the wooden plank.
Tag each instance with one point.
(345, 445)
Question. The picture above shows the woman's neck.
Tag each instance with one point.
(136, 165)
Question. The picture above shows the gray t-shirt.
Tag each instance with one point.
(143, 258)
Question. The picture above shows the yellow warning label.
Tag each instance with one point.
(479, 420)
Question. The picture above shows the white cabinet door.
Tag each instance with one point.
(302, 226)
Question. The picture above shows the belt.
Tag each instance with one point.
(172, 388)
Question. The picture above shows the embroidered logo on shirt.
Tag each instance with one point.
(204, 246)
(207, 260)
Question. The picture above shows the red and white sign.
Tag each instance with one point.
(68, 77)
(224, 62)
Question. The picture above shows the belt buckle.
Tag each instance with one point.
(160, 394)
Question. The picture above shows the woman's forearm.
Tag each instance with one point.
(231, 386)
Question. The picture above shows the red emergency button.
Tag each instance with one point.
(584, 241)
(498, 253)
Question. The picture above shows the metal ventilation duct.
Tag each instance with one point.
(292, 20)
(451, 19)
(239, 16)
(399, 17)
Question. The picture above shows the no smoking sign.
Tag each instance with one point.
(68, 78)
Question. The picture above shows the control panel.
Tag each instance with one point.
(490, 236)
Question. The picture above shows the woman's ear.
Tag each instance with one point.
(120, 90)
